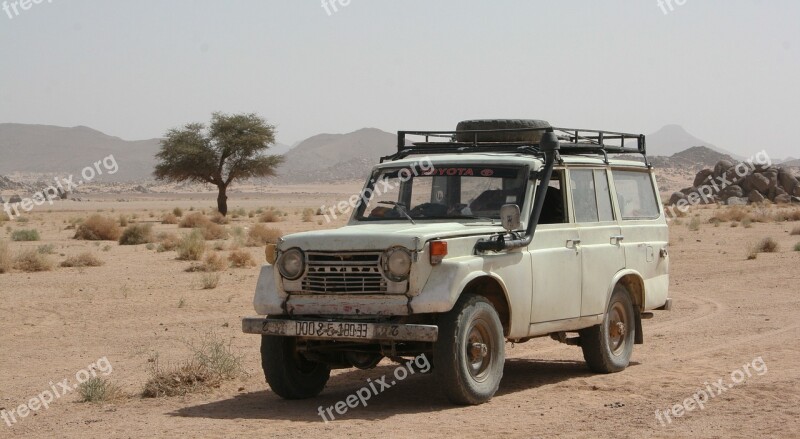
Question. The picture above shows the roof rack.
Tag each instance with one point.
(574, 141)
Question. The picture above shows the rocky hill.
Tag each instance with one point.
(694, 158)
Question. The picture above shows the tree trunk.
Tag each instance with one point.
(222, 200)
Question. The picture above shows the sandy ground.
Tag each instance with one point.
(728, 312)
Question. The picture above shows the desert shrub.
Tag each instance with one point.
(747, 223)
(193, 220)
(177, 212)
(31, 261)
(270, 216)
(261, 235)
(694, 224)
(219, 246)
(212, 231)
(85, 259)
(74, 223)
(734, 224)
(169, 219)
(795, 231)
(137, 234)
(213, 262)
(726, 214)
(218, 218)
(98, 390)
(793, 215)
(241, 259)
(178, 381)
(98, 228)
(308, 215)
(4, 217)
(192, 246)
(167, 242)
(209, 281)
(217, 356)
(25, 235)
(22, 219)
(796, 248)
(6, 262)
(767, 245)
(46, 249)
(123, 220)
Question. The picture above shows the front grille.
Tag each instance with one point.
(344, 273)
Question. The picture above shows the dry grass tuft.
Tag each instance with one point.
(213, 231)
(270, 216)
(98, 228)
(85, 259)
(767, 245)
(795, 231)
(193, 221)
(213, 262)
(25, 235)
(31, 261)
(167, 242)
(210, 281)
(241, 259)
(177, 212)
(169, 219)
(97, 390)
(261, 235)
(218, 218)
(192, 246)
(137, 234)
(178, 381)
(308, 215)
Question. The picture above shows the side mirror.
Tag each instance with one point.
(510, 217)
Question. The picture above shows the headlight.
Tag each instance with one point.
(292, 263)
(397, 264)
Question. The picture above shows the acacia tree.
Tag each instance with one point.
(232, 148)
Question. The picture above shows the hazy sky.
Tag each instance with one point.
(728, 71)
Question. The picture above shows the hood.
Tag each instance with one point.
(380, 236)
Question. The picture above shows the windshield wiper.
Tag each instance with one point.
(400, 208)
(485, 218)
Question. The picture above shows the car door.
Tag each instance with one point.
(645, 230)
(556, 259)
(599, 234)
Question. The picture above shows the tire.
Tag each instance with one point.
(501, 124)
(470, 352)
(607, 347)
(288, 373)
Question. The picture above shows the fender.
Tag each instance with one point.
(448, 280)
(637, 308)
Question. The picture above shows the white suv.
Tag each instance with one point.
(503, 230)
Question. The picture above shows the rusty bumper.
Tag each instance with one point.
(339, 330)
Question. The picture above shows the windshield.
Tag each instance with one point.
(442, 192)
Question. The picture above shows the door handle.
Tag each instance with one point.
(617, 238)
(573, 243)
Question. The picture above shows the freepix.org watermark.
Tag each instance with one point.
(19, 6)
(704, 194)
(332, 6)
(62, 186)
(424, 166)
(711, 391)
(375, 388)
(668, 6)
(56, 391)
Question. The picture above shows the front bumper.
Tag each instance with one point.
(339, 330)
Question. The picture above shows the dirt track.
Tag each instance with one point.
(728, 312)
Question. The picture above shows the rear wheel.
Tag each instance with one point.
(470, 351)
(288, 372)
(608, 347)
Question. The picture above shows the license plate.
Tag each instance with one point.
(317, 329)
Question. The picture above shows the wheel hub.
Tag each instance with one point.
(478, 351)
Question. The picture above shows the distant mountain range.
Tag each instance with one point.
(45, 149)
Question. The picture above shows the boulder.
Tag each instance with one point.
(772, 175)
(787, 181)
(721, 167)
(797, 191)
(702, 177)
(736, 201)
(760, 183)
(688, 190)
(676, 196)
(755, 197)
(783, 199)
(731, 191)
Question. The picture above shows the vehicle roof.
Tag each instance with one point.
(507, 159)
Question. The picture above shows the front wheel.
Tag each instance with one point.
(288, 372)
(470, 351)
(607, 347)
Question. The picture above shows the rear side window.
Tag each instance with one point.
(591, 197)
(635, 195)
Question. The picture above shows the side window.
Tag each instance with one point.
(606, 212)
(584, 197)
(553, 211)
(636, 195)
